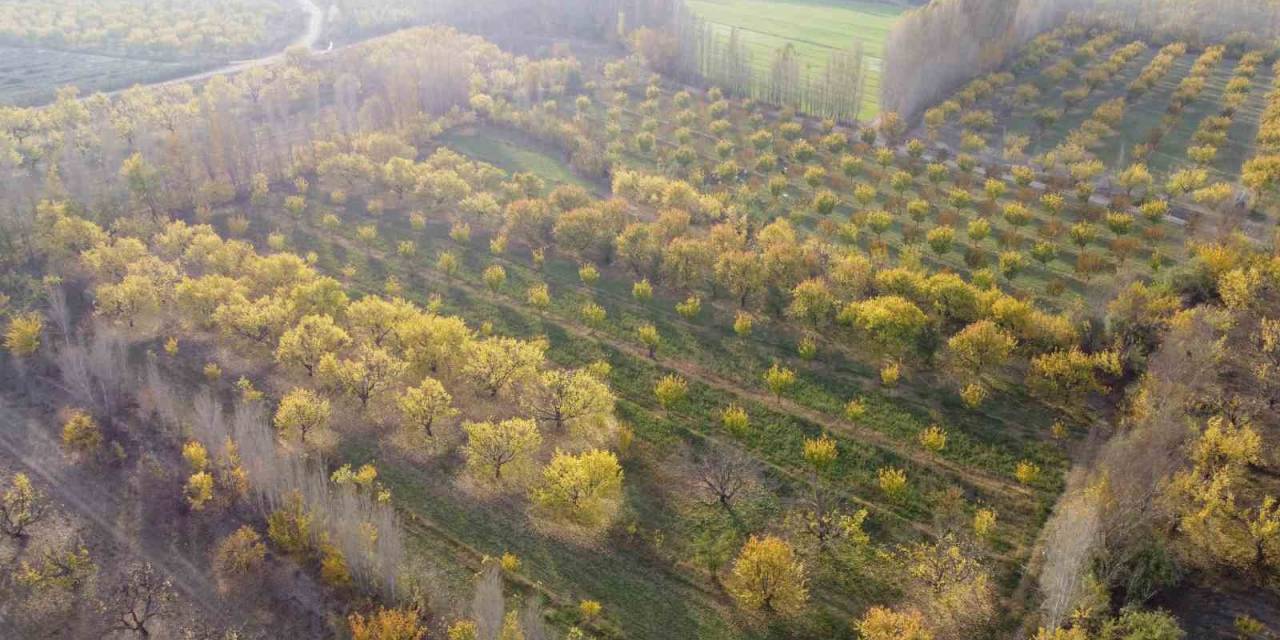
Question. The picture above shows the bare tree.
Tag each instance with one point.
(725, 473)
(95, 372)
(487, 606)
(109, 366)
(531, 619)
(59, 312)
(73, 367)
(823, 518)
(1101, 533)
(163, 396)
(366, 530)
(142, 596)
(1074, 530)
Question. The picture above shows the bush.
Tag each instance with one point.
(388, 624)
(670, 390)
(893, 482)
(735, 420)
(934, 438)
(238, 556)
(81, 437)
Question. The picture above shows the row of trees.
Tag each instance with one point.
(602, 19)
(696, 50)
(1198, 21)
(165, 29)
(1262, 172)
(695, 264)
(328, 368)
(570, 217)
(814, 283)
(341, 359)
(767, 150)
(1076, 155)
(932, 50)
(1035, 56)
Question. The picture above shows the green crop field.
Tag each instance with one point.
(30, 76)
(814, 27)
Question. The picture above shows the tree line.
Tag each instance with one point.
(698, 51)
(165, 29)
(934, 49)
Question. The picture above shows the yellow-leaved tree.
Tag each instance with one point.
(307, 342)
(21, 506)
(388, 624)
(880, 623)
(1227, 519)
(496, 364)
(372, 371)
(948, 584)
(303, 414)
(22, 338)
(422, 408)
(978, 349)
(499, 452)
(585, 489)
(574, 400)
(767, 576)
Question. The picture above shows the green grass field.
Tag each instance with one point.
(815, 27)
(32, 76)
(500, 150)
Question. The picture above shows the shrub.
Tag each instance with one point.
(821, 452)
(670, 390)
(589, 609)
(984, 523)
(1027, 472)
(893, 482)
(973, 395)
(81, 437)
(779, 380)
(934, 438)
(855, 409)
(642, 290)
(239, 555)
(735, 420)
(890, 374)
(289, 526)
(388, 624)
(690, 308)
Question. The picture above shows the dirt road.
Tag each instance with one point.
(308, 39)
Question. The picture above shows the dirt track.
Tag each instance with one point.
(308, 39)
(112, 511)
